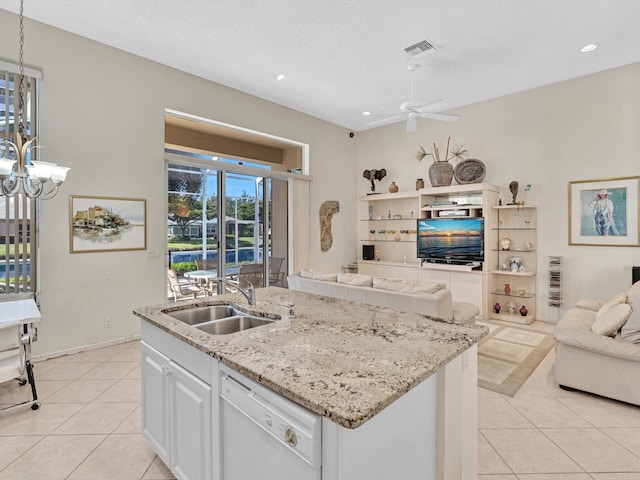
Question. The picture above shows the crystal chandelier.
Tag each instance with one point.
(35, 179)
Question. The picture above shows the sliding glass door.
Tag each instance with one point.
(243, 215)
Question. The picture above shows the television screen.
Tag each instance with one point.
(451, 240)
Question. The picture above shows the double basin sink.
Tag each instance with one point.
(219, 319)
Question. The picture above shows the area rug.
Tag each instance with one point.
(508, 355)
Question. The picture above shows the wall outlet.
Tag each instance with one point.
(107, 322)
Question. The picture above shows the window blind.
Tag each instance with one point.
(18, 242)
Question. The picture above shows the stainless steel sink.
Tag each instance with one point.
(233, 324)
(196, 316)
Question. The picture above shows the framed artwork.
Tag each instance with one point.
(104, 224)
(604, 212)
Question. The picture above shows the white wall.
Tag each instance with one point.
(101, 113)
(586, 128)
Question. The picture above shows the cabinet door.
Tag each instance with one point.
(155, 418)
(190, 404)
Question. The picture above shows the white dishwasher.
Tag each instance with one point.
(264, 435)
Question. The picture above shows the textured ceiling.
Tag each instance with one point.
(346, 56)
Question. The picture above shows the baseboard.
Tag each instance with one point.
(85, 348)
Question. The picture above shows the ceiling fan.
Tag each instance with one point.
(414, 109)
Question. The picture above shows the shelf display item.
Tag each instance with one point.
(505, 244)
(497, 307)
(511, 306)
(515, 262)
(393, 188)
(507, 288)
(523, 311)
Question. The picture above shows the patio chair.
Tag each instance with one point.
(15, 364)
(251, 272)
(206, 264)
(276, 277)
(183, 288)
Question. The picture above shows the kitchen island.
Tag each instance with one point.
(368, 372)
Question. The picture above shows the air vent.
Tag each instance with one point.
(420, 48)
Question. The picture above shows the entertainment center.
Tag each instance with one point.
(451, 235)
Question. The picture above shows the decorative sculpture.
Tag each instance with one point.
(327, 209)
(513, 188)
(372, 176)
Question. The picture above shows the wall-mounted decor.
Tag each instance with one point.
(604, 212)
(327, 210)
(372, 176)
(100, 224)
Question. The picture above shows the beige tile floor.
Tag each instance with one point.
(89, 427)
(546, 433)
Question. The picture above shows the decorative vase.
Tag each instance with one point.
(393, 188)
(507, 288)
(440, 174)
(497, 307)
(523, 311)
(419, 184)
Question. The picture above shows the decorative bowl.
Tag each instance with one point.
(470, 170)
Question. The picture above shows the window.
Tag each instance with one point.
(18, 213)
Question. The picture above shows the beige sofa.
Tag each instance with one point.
(591, 362)
(432, 299)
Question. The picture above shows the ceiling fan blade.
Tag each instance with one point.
(385, 121)
(412, 123)
(441, 116)
(433, 106)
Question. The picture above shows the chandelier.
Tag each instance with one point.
(35, 179)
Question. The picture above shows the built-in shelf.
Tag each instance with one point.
(514, 295)
(514, 317)
(512, 228)
(512, 207)
(515, 274)
(391, 263)
(512, 250)
(451, 267)
(388, 196)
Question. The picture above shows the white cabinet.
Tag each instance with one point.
(177, 406)
(190, 424)
(155, 418)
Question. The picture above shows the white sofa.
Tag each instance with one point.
(431, 299)
(605, 365)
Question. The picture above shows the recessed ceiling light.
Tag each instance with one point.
(366, 114)
(280, 76)
(589, 48)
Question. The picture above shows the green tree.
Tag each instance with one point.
(184, 205)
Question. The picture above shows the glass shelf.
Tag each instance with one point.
(515, 274)
(512, 250)
(515, 295)
(513, 228)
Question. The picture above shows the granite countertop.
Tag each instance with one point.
(343, 360)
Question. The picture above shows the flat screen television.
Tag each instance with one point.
(457, 241)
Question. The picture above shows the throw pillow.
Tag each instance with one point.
(609, 322)
(327, 277)
(593, 304)
(393, 284)
(612, 302)
(306, 273)
(631, 330)
(355, 279)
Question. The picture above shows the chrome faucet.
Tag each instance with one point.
(249, 293)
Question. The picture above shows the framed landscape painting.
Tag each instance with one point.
(604, 212)
(100, 224)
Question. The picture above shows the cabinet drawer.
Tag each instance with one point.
(190, 358)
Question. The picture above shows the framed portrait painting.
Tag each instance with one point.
(100, 224)
(604, 212)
